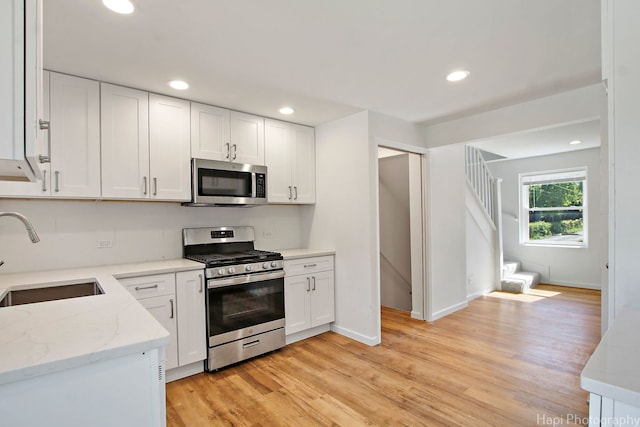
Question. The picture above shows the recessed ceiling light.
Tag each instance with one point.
(179, 84)
(286, 110)
(124, 7)
(576, 142)
(456, 76)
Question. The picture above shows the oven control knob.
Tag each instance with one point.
(231, 270)
(274, 264)
(248, 268)
(265, 265)
(221, 272)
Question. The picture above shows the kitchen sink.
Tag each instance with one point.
(50, 293)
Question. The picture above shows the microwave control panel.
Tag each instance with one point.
(261, 188)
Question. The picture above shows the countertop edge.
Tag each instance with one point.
(291, 254)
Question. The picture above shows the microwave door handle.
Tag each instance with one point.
(254, 191)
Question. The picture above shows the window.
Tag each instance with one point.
(554, 207)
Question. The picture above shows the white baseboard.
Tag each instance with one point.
(308, 333)
(595, 286)
(478, 294)
(184, 371)
(441, 313)
(368, 340)
(417, 315)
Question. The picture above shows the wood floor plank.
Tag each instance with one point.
(506, 360)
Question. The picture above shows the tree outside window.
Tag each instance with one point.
(554, 208)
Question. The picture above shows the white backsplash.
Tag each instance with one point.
(70, 231)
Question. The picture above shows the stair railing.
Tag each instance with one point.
(482, 181)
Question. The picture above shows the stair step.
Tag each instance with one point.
(510, 267)
(520, 282)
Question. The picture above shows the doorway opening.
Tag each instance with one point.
(401, 225)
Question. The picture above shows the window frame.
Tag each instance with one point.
(581, 174)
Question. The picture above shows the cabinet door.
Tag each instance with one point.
(210, 132)
(163, 308)
(303, 168)
(192, 334)
(322, 300)
(247, 138)
(297, 290)
(20, 90)
(277, 156)
(169, 148)
(75, 136)
(124, 128)
(41, 187)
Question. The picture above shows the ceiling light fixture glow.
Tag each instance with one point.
(576, 142)
(179, 84)
(286, 110)
(124, 7)
(456, 76)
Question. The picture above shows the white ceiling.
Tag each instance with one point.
(330, 58)
(543, 142)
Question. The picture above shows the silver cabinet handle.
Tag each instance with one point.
(314, 283)
(308, 284)
(46, 125)
(155, 186)
(201, 283)
(44, 180)
(144, 185)
(228, 151)
(171, 303)
(235, 151)
(57, 181)
(139, 288)
(295, 188)
(290, 194)
(310, 265)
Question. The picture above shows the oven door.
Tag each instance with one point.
(246, 305)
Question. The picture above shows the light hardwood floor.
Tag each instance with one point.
(499, 362)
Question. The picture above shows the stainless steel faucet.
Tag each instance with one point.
(27, 224)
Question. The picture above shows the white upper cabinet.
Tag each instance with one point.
(145, 145)
(72, 144)
(169, 148)
(75, 136)
(290, 159)
(221, 134)
(20, 89)
(125, 142)
(247, 139)
(210, 132)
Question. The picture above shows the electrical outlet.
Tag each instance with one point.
(103, 244)
(267, 234)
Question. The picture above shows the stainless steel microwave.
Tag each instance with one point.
(219, 183)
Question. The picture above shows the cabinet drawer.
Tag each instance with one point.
(150, 286)
(308, 265)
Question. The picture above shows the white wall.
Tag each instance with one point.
(395, 243)
(481, 248)
(345, 217)
(446, 229)
(622, 67)
(140, 231)
(562, 266)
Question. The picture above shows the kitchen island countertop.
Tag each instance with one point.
(47, 337)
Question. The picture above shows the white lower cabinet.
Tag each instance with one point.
(308, 293)
(177, 301)
(605, 411)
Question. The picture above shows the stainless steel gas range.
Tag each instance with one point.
(245, 293)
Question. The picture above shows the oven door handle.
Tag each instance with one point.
(245, 278)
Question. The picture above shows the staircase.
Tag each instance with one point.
(516, 280)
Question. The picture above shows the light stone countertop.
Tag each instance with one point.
(290, 254)
(613, 370)
(41, 338)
